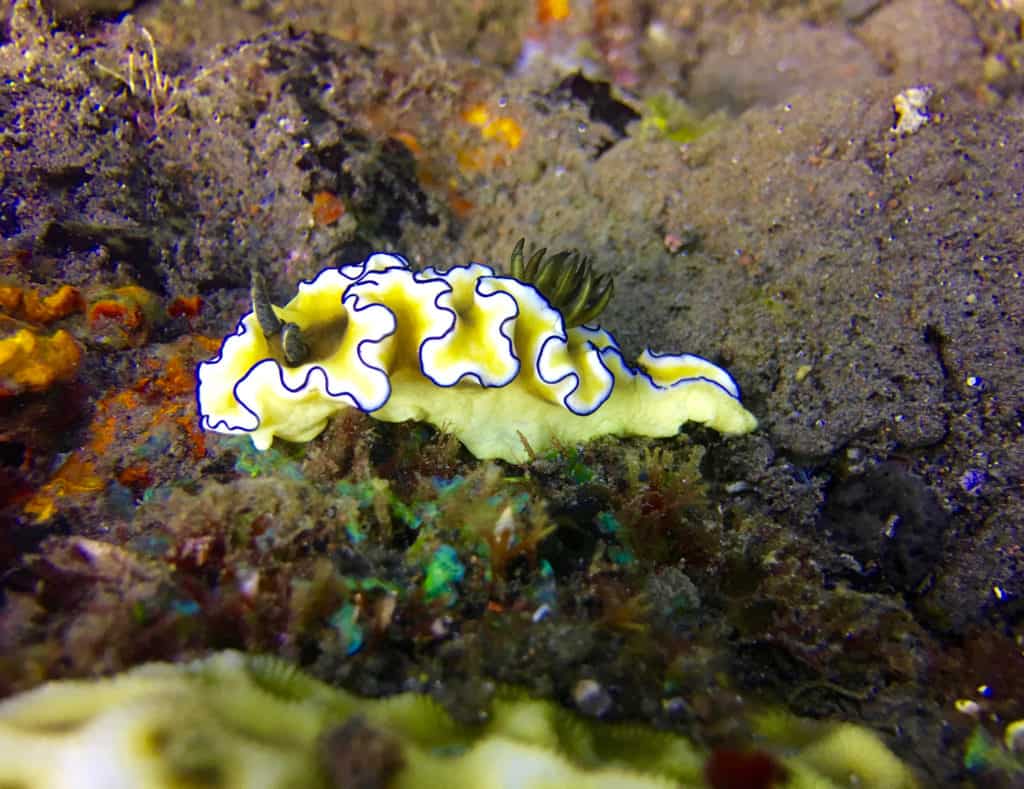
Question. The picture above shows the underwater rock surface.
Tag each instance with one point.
(821, 198)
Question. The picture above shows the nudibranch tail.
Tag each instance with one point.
(489, 358)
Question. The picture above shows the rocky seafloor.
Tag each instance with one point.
(824, 198)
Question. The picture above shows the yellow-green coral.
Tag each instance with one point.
(483, 356)
(240, 722)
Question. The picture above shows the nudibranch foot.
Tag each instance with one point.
(488, 358)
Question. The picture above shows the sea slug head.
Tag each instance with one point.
(286, 369)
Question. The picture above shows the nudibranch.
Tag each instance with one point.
(481, 355)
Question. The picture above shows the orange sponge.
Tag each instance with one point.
(30, 362)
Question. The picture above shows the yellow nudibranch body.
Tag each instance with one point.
(477, 354)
